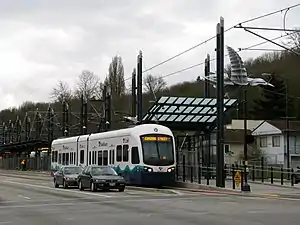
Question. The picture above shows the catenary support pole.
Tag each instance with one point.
(220, 179)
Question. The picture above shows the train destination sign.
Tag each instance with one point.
(154, 138)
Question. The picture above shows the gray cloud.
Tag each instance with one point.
(43, 41)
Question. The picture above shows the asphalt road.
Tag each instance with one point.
(35, 202)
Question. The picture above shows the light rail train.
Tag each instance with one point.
(143, 155)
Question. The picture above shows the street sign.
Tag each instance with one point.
(237, 178)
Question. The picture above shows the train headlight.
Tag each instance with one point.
(171, 169)
(148, 169)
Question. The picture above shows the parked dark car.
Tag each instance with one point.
(100, 177)
(67, 176)
(297, 176)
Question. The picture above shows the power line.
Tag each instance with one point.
(213, 59)
(211, 38)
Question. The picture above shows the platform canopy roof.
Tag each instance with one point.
(186, 113)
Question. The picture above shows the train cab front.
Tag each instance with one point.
(158, 159)
(158, 176)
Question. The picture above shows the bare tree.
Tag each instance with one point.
(154, 84)
(61, 92)
(293, 41)
(88, 84)
(115, 78)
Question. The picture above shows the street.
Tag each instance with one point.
(33, 202)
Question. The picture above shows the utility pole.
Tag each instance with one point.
(85, 117)
(107, 108)
(246, 186)
(63, 118)
(207, 72)
(133, 94)
(81, 114)
(67, 120)
(139, 88)
(220, 179)
(207, 95)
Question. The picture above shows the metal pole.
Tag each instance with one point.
(63, 118)
(139, 88)
(207, 95)
(287, 128)
(108, 111)
(81, 115)
(220, 179)
(207, 72)
(133, 94)
(246, 186)
(67, 119)
(85, 124)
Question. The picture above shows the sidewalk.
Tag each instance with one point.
(257, 188)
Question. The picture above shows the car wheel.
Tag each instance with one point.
(56, 185)
(65, 185)
(80, 186)
(93, 187)
(122, 189)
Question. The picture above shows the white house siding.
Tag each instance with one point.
(274, 155)
(239, 124)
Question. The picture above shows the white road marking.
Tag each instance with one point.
(87, 203)
(5, 222)
(24, 197)
(53, 189)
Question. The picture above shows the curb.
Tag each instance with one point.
(276, 185)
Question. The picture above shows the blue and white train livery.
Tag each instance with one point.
(143, 155)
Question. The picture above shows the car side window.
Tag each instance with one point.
(61, 169)
(88, 170)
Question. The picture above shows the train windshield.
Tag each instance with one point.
(157, 150)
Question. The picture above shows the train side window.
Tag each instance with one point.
(119, 153)
(90, 158)
(99, 158)
(112, 156)
(74, 158)
(55, 156)
(64, 159)
(59, 158)
(67, 158)
(135, 159)
(105, 158)
(71, 157)
(93, 158)
(81, 156)
(125, 153)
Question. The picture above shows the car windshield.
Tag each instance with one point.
(102, 171)
(72, 170)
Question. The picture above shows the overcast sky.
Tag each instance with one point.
(43, 41)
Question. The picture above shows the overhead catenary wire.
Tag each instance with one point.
(213, 59)
(213, 37)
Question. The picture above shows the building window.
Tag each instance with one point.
(276, 141)
(263, 142)
(226, 149)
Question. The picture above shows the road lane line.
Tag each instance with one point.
(88, 202)
(53, 189)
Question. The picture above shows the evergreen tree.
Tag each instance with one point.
(273, 100)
